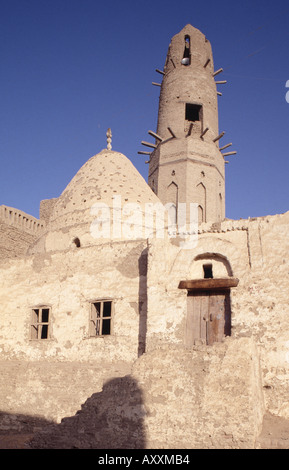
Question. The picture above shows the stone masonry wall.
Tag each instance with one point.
(14, 242)
(18, 231)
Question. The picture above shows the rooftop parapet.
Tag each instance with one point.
(21, 220)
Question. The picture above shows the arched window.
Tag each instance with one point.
(201, 199)
(186, 60)
(172, 212)
(220, 207)
(172, 197)
(200, 214)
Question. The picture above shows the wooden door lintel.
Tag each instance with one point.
(207, 284)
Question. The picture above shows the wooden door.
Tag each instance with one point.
(208, 317)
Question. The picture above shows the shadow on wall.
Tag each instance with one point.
(142, 301)
(17, 429)
(111, 419)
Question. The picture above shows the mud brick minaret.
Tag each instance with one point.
(186, 164)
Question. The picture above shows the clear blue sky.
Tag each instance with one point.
(69, 69)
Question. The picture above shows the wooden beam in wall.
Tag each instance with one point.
(207, 284)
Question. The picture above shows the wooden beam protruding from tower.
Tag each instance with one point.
(173, 63)
(190, 129)
(219, 137)
(171, 132)
(217, 72)
(144, 153)
(148, 144)
(156, 136)
(220, 82)
(160, 71)
(218, 93)
(204, 132)
(226, 146)
(156, 84)
(229, 153)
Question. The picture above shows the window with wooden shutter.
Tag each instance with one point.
(40, 323)
(101, 313)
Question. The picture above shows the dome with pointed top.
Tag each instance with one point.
(100, 179)
(107, 180)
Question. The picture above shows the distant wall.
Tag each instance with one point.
(21, 220)
(18, 231)
(46, 207)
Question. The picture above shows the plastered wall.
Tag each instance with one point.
(171, 400)
(150, 316)
(256, 251)
(68, 282)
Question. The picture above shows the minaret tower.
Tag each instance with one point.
(186, 164)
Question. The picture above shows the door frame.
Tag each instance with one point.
(209, 288)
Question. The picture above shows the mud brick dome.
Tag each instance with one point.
(103, 178)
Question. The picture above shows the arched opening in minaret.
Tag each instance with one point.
(201, 198)
(220, 207)
(200, 214)
(172, 216)
(186, 60)
(172, 204)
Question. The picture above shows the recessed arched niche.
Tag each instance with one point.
(208, 299)
(210, 265)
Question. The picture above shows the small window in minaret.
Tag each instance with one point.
(193, 112)
(186, 60)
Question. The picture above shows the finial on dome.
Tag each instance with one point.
(109, 136)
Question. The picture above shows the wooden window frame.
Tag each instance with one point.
(38, 325)
(97, 318)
